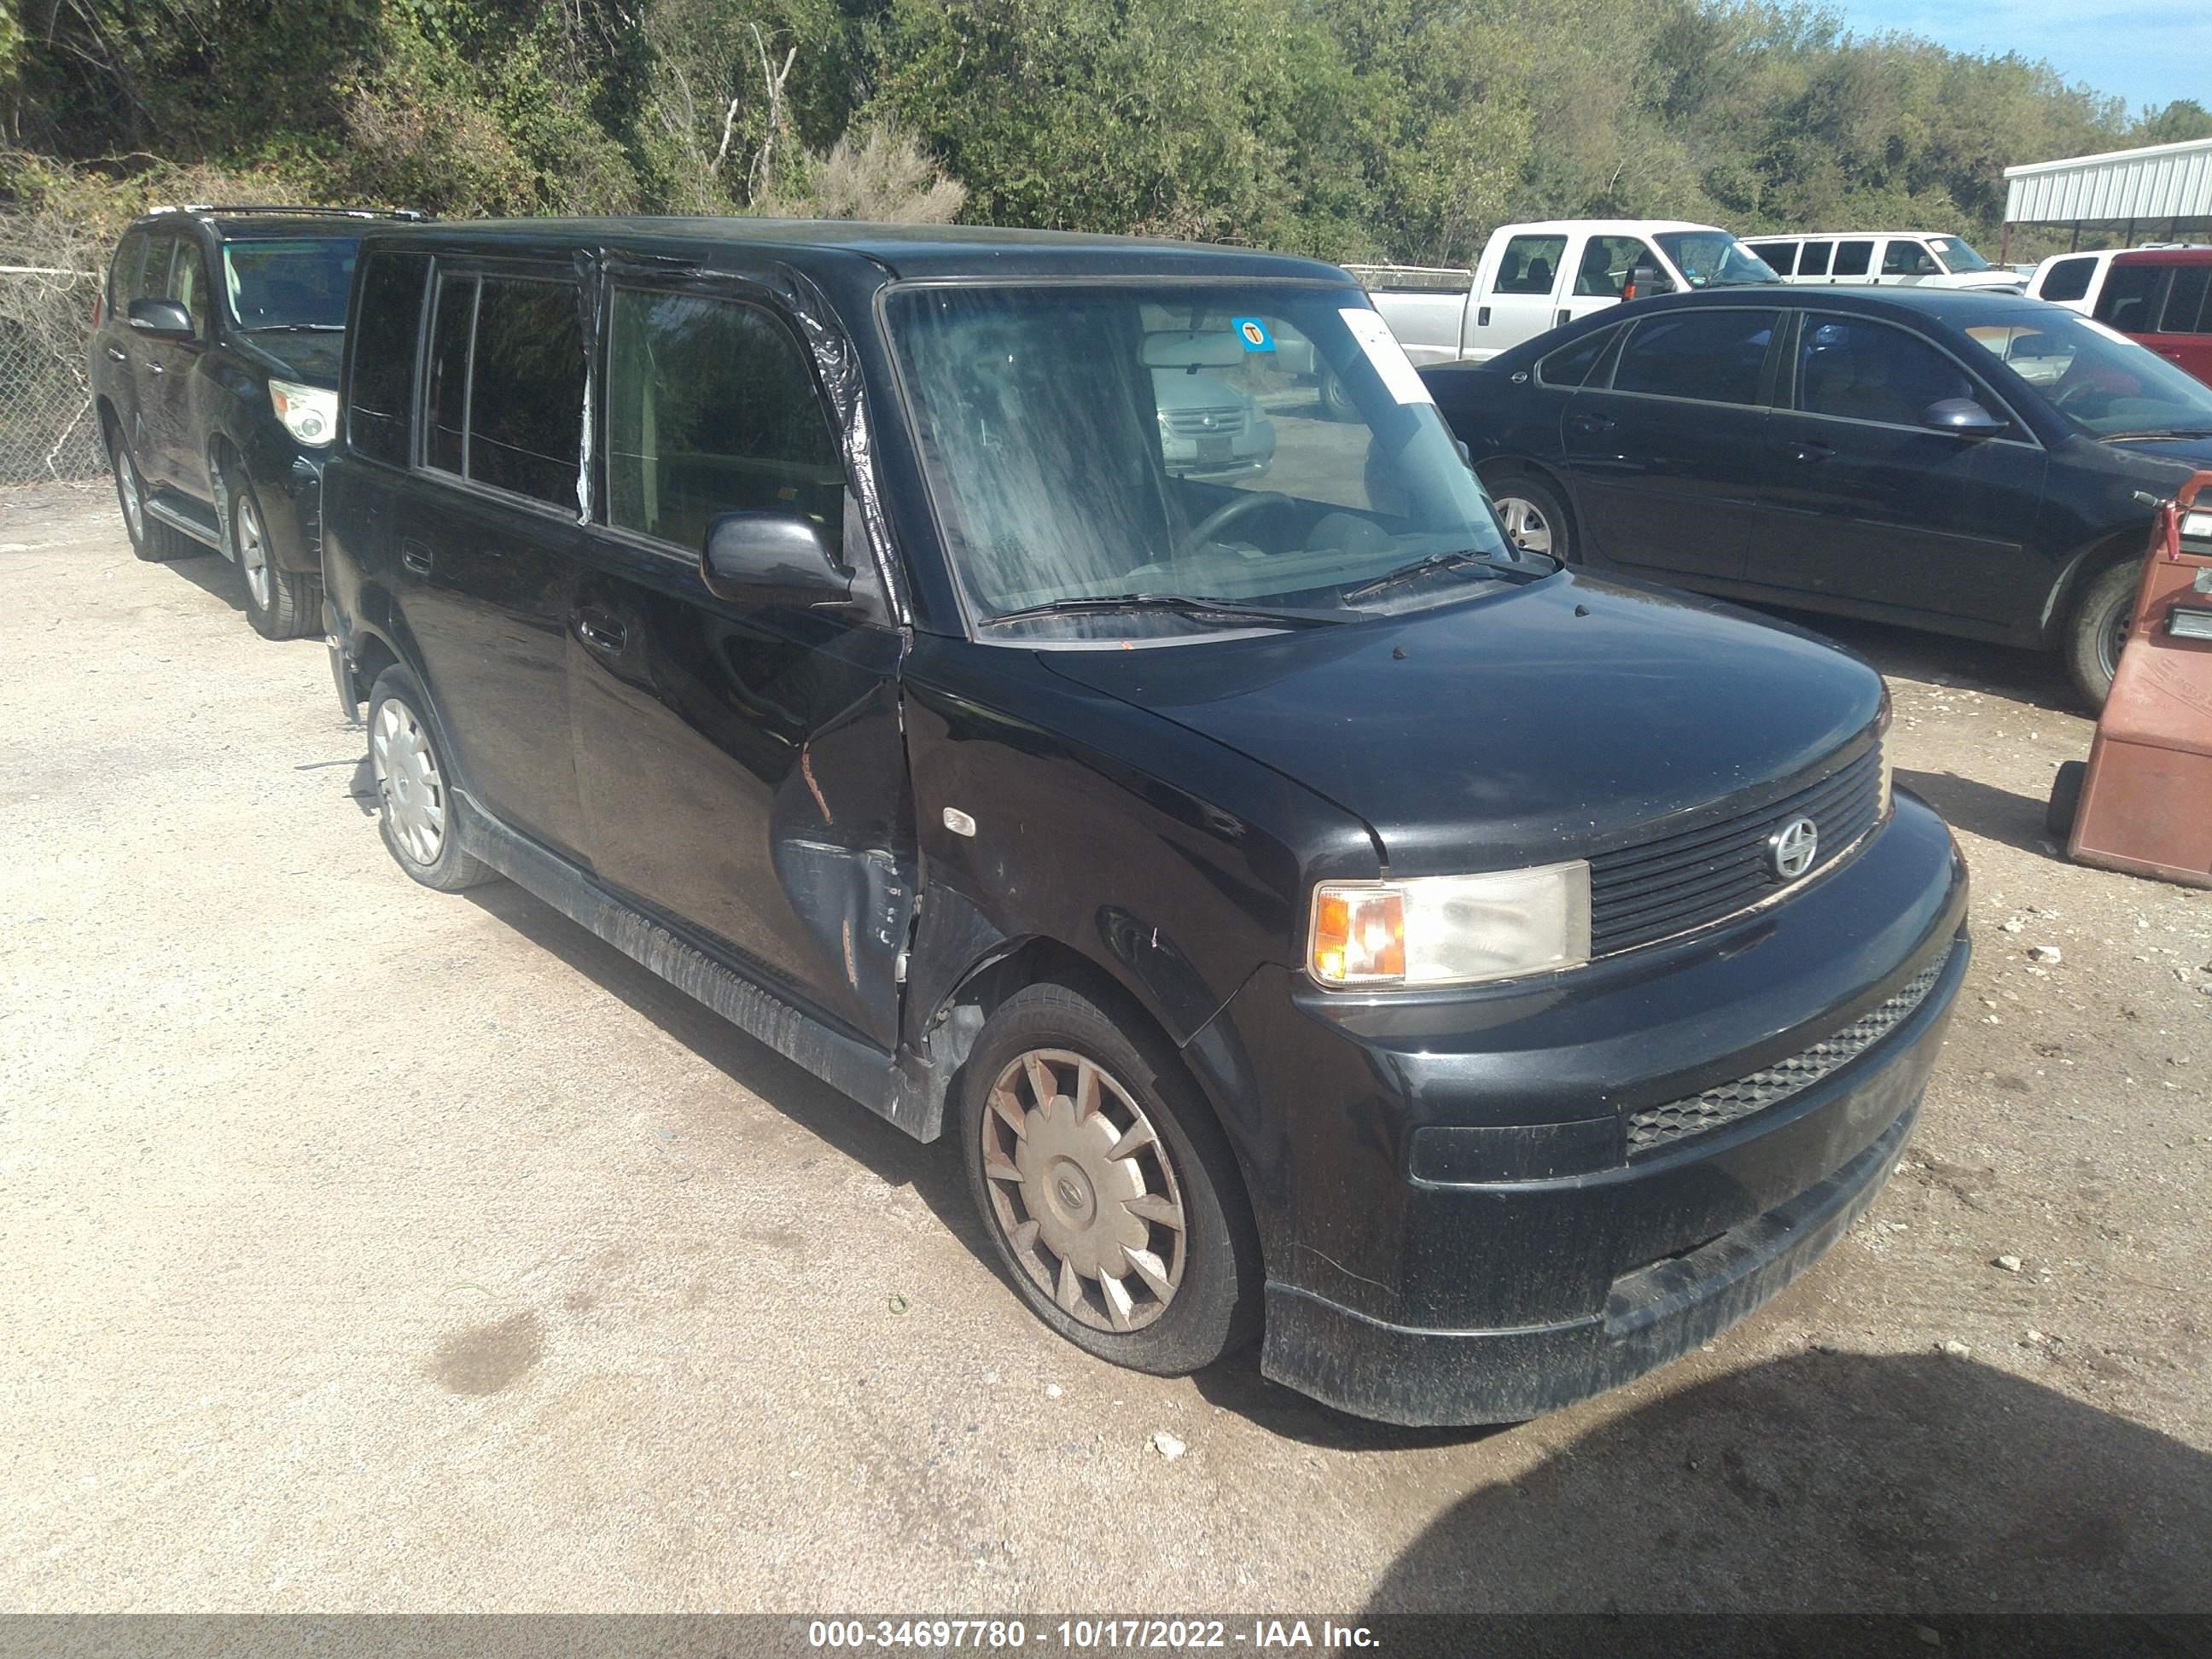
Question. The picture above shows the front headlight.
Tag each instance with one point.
(1450, 930)
(309, 413)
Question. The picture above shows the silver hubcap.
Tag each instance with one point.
(407, 781)
(126, 491)
(1526, 526)
(1082, 1190)
(253, 549)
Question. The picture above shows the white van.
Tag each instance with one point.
(1896, 258)
(1535, 276)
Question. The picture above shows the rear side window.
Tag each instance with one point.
(2185, 310)
(1866, 371)
(1570, 365)
(1714, 357)
(2129, 302)
(1530, 264)
(1781, 256)
(1853, 259)
(1813, 258)
(712, 408)
(526, 390)
(2067, 280)
(1909, 259)
(380, 407)
(448, 405)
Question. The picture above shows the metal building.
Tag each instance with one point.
(2163, 191)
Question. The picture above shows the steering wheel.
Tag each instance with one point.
(1236, 508)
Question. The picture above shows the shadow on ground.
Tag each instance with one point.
(1835, 1481)
(214, 575)
(1986, 810)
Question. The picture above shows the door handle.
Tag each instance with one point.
(1482, 316)
(1810, 449)
(601, 632)
(116, 357)
(156, 368)
(1588, 423)
(414, 556)
(1560, 317)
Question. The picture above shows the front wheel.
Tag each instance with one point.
(1109, 1193)
(281, 603)
(2100, 630)
(1534, 517)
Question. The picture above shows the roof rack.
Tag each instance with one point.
(278, 207)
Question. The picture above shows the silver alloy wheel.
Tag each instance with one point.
(1083, 1190)
(1526, 526)
(408, 781)
(127, 492)
(252, 549)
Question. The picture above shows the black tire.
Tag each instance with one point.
(150, 539)
(400, 787)
(1213, 1307)
(281, 603)
(2098, 629)
(1544, 503)
(1335, 397)
(2065, 802)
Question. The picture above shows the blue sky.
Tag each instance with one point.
(2150, 52)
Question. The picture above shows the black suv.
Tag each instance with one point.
(214, 365)
(1308, 914)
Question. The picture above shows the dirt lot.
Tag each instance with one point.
(362, 1248)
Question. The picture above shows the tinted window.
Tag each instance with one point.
(161, 251)
(127, 282)
(448, 402)
(188, 283)
(1865, 371)
(1570, 365)
(526, 390)
(2127, 302)
(283, 285)
(380, 415)
(2184, 312)
(1908, 260)
(711, 409)
(1853, 259)
(1711, 356)
(1783, 255)
(1813, 258)
(1530, 264)
(2067, 280)
(1609, 264)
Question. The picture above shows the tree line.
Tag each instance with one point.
(1348, 128)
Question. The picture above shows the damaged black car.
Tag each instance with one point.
(984, 667)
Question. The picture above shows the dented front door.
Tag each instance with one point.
(743, 768)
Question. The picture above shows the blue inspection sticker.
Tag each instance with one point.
(1253, 333)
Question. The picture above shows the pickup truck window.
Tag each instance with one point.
(1607, 265)
(1530, 264)
(1713, 259)
(1714, 357)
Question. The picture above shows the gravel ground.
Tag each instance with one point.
(365, 1249)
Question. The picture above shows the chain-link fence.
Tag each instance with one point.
(47, 427)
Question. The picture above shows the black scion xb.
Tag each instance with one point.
(1316, 919)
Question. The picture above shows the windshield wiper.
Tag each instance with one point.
(296, 328)
(2169, 432)
(1407, 573)
(1181, 605)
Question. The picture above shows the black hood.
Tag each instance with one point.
(310, 359)
(1529, 723)
(2195, 453)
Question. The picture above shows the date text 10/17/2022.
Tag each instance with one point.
(1089, 1635)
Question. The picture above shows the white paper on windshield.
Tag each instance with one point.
(1388, 357)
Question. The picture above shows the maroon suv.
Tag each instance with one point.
(2163, 298)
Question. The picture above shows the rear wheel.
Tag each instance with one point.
(2100, 630)
(150, 539)
(1105, 1186)
(1534, 518)
(421, 816)
(281, 603)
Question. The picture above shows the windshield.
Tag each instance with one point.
(1713, 259)
(1956, 254)
(1239, 443)
(293, 284)
(2103, 383)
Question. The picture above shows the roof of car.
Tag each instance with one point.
(1831, 235)
(2165, 256)
(1607, 227)
(239, 225)
(920, 250)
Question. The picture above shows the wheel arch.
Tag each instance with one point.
(2079, 575)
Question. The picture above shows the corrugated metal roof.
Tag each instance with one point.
(2162, 182)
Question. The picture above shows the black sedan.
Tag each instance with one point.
(1971, 463)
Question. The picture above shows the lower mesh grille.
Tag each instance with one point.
(1697, 1114)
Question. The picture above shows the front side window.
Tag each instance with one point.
(127, 279)
(1865, 371)
(2131, 298)
(1713, 259)
(712, 408)
(1609, 266)
(300, 283)
(1714, 357)
(188, 284)
(2103, 383)
(160, 259)
(1087, 445)
(2069, 279)
(1902, 258)
(380, 397)
(1956, 254)
(1530, 264)
(1853, 259)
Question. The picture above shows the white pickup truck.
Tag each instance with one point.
(1533, 277)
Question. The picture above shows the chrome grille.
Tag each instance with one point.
(1729, 1103)
(1205, 422)
(1684, 881)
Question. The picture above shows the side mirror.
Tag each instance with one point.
(1961, 417)
(1644, 281)
(772, 558)
(165, 319)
